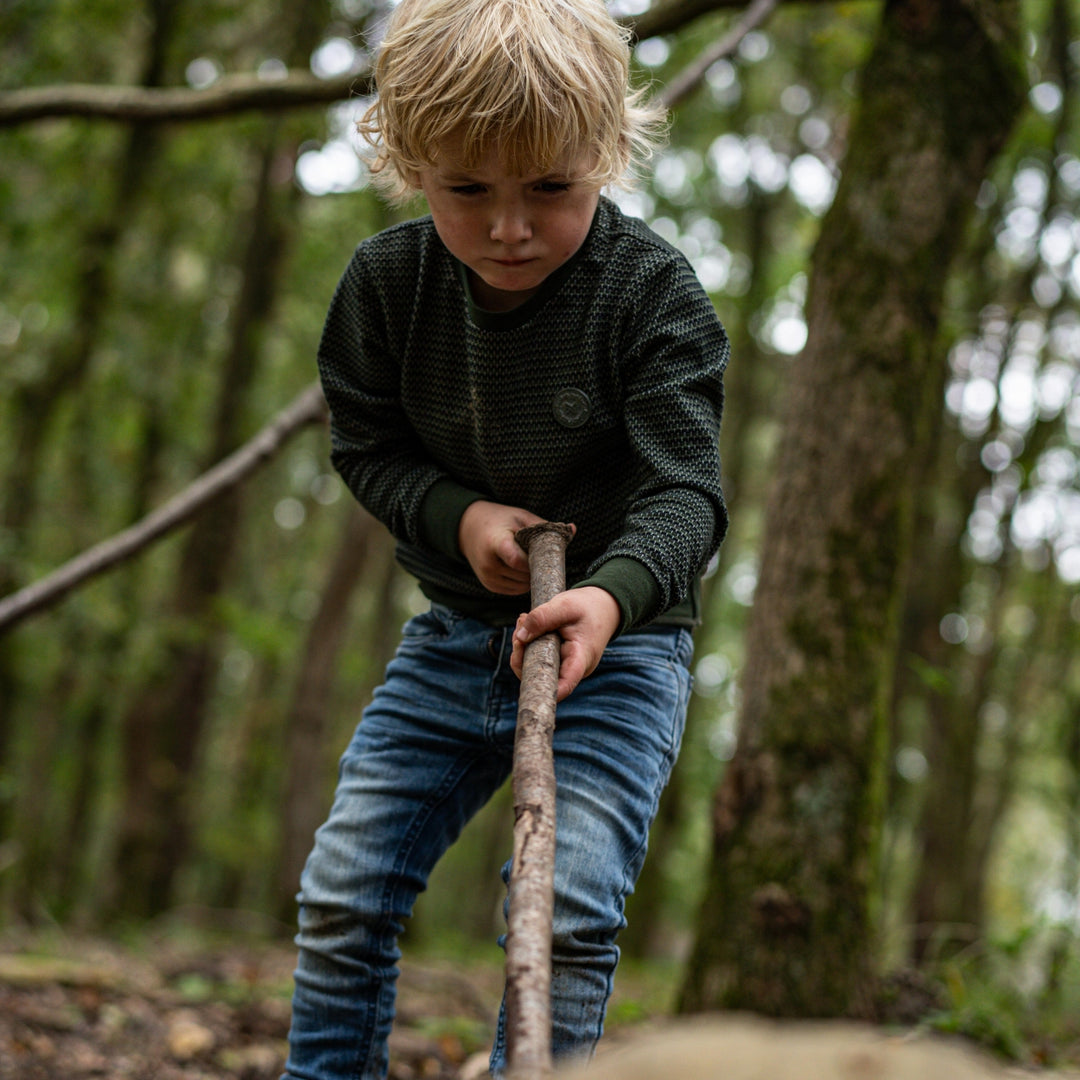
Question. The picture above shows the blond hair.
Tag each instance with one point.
(539, 80)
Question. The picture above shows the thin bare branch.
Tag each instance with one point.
(243, 93)
(677, 14)
(308, 408)
(688, 79)
(229, 95)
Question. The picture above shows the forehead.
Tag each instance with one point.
(453, 155)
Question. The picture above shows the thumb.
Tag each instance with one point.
(539, 621)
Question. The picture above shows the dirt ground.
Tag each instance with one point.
(189, 1007)
(78, 1009)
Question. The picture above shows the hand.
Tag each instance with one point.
(585, 618)
(486, 538)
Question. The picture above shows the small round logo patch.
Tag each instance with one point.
(572, 407)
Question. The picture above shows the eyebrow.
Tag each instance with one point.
(456, 176)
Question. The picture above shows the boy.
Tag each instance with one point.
(524, 353)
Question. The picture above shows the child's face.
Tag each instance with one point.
(510, 231)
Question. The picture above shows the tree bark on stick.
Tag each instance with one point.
(532, 877)
(239, 93)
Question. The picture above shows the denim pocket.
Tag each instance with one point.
(656, 644)
(435, 624)
(641, 689)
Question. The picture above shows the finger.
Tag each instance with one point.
(517, 657)
(506, 588)
(499, 579)
(571, 672)
(511, 554)
(572, 668)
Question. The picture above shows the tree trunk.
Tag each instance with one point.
(69, 357)
(1063, 936)
(787, 926)
(163, 727)
(307, 749)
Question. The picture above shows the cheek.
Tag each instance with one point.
(573, 232)
(455, 232)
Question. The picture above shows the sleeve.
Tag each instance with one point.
(373, 445)
(674, 353)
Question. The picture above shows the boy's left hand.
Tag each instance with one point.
(586, 619)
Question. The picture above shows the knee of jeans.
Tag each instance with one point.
(330, 920)
(336, 900)
(586, 935)
(347, 932)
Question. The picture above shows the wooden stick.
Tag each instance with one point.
(532, 876)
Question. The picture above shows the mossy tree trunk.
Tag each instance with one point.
(787, 924)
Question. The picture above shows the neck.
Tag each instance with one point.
(490, 299)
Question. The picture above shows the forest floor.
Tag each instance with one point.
(191, 1005)
(198, 1007)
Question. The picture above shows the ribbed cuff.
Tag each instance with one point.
(633, 586)
(440, 515)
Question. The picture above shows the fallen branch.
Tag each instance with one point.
(229, 95)
(532, 874)
(308, 408)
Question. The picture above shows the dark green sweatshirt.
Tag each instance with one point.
(596, 402)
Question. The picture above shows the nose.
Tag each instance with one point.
(510, 224)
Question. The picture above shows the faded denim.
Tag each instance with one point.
(432, 748)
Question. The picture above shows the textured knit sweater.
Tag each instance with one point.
(597, 401)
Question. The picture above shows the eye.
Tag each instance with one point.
(467, 189)
(553, 187)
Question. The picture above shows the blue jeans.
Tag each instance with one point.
(432, 748)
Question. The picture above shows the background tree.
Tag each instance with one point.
(787, 926)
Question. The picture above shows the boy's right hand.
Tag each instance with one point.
(486, 538)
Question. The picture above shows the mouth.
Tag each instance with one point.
(512, 262)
